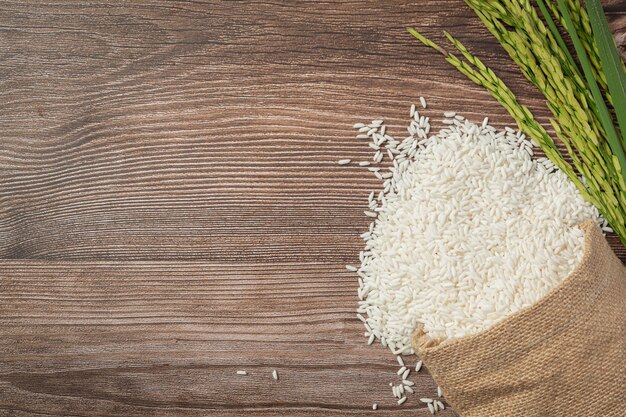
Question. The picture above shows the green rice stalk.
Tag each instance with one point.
(525, 120)
(599, 189)
(580, 18)
(568, 96)
(590, 154)
(573, 105)
(612, 64)
(557, 35)
(604, 115)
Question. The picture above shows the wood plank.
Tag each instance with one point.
(139, 338)
(137, 137)
(211, 131)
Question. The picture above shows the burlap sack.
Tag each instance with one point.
(564, 356)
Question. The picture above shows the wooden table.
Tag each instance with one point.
(171, 209)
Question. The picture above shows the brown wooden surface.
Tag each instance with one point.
(171, 209)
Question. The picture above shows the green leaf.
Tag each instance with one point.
(603, 112)
(611, 62)
(557, 35)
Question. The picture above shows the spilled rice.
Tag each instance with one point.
(468, 229)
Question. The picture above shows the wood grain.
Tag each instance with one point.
(211, 131)
(125, 337)
(171, 209)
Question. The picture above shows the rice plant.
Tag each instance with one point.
(585, 93)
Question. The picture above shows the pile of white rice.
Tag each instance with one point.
(468, 229)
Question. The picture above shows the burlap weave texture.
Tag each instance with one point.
(564, 356)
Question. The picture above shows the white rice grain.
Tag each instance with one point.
(446, 210)
(468, 230)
